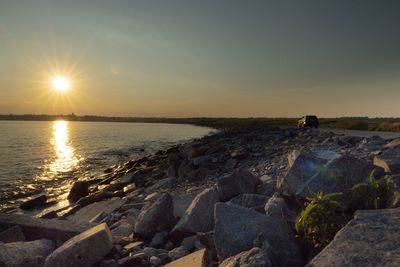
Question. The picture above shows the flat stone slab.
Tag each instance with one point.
(372, 238)
(35, 228)
(82, 250)
(195, 259)
(88, 212)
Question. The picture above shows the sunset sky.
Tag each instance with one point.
(201, 58)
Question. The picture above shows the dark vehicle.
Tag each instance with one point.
(308, 121)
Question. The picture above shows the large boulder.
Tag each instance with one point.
(238, 229)
(82, 250)
(78, 190)
(156, 216)
(254, 257)
(199, 216)
(303, 165)
(250, 200)
(370, 239)
(12, 234)
(18, 254)
(239, 182)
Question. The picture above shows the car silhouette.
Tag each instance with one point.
(308, 121)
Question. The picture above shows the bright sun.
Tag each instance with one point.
(60, 83)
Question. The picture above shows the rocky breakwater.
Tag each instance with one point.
(235, 198)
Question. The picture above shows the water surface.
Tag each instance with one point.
(46, 157)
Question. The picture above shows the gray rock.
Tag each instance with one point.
(12, 234)
(240, 182)
(155, 261)
(159, 239)
(205, 161)
(237, 229)
(132, 215)
(190, 242)
(155, 217)
(78, 190)
(254, 257)
(32, 253)
(178, 252)
(122, 228)
(239, 154)
(389, 160)
(184, 169)
(199, 216)
(182, 201)
(370, 239)
(393, 199)
(199, 258)
(198, 175)
(267, 188)
(36, 228)
(150, 252)
(82, 250)
(249, 200)
(88, 212)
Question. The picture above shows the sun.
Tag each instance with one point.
(60, 83)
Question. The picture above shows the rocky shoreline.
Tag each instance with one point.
(228, 199)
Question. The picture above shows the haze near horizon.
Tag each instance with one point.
(205, 58)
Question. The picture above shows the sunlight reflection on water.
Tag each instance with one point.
(65, 159)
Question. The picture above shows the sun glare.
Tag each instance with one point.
(60, 83)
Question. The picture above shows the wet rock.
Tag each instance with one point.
(370, 239)
(36, 228)
(199, 216)
(155, 217)
(12, 234)
(33, 203)
(252, 258)
(87, 213)
(199, 258)
(31, 253)
(178, 252)
(240, 182)
(237, 229)
(78, 190)
(249, 200)
(83, 250)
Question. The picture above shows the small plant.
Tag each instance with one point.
(321, 219)
(368, 195)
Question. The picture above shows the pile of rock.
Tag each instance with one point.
(229, 199)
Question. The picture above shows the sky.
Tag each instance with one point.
(220, 58)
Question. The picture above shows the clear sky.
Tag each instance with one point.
(201, 58)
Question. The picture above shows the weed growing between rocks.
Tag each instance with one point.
(325, 214)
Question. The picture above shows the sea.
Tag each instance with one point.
(46, 157)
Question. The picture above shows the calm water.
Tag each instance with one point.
(38, 157)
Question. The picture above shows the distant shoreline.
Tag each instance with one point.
(350, 123)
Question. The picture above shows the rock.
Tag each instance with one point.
(88, 212)
(254, 257)
(36, 228)
(231, 163)
(371, 238)
(78, 190)
(339, 175)
(121, 228)
(178, 252)
(155, 217)
(184, 169)
(82, 250)
(194, 153)
(132, 215)
(389, 160)
(199, 216)
(198, 175)
(199, 258)
(137, 259)
(49, 215)
(133, 247)
(33, 203)
(12, 234)
(129, 188)
(239, 154)
(240, 182)
(150, 252)
(249, 200)
(32, 254)
(159, 239)
(155, 261)
(96, 197)
(393, 198)
(238, 229)
(267, 188)
(182, 201)
(205, 161)
(393, 144)
(190, 242)
(303, 165)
